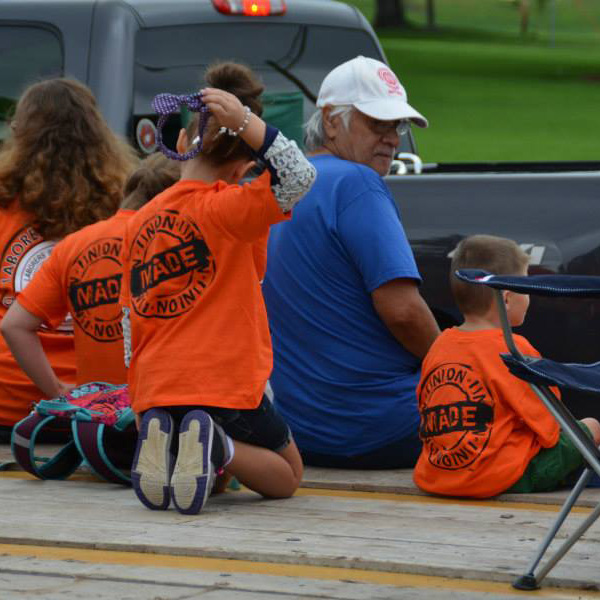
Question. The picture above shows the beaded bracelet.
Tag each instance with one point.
(241, 128)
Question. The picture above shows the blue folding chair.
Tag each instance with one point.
(540, 374)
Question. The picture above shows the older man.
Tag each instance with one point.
(349, 325)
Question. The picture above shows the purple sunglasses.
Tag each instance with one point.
(165, 105)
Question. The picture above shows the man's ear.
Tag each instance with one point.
(330, 124)
(182, 142)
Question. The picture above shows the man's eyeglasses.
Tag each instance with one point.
(401, 127)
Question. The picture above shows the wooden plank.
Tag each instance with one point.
(56, 579)
(400, 482)
(444, 539)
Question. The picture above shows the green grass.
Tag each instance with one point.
(492, 94)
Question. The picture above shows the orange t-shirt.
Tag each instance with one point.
(199, 330)
(259, 252)
(480, 425)
(83, 277)
(23, 253)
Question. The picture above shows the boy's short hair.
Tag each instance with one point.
(498, 255)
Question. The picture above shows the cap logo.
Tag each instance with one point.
(391, 81)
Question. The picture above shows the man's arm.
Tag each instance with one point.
(404, 312)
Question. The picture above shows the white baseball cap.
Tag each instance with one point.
(372, 88)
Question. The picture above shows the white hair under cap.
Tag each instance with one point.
(372, 88)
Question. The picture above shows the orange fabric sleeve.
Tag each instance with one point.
(45, 295)
(259, 253)
(245, 212)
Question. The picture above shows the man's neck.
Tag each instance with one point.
(320, 151)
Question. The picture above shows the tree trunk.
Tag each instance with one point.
(390, 13)
(524, 12)
(430, 9)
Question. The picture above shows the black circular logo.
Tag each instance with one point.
(457, 414)
(171, 266)
(95, 287)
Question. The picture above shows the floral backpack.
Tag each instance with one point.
(102, 434)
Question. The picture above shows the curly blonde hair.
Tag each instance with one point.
(62, 164)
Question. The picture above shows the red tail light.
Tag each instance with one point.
(252, 8)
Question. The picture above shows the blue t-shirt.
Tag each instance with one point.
(340, 379)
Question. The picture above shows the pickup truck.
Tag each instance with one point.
(554, 216)
(128, 51)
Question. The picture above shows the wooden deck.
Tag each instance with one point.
(344, 535)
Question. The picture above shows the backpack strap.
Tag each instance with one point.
(23, 446)
(102, 459)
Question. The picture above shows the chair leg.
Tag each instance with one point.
(530, 581)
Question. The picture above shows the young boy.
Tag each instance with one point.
(484, 431)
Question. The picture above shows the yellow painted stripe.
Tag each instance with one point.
(140, 559)
(386, 496)
(416, 499)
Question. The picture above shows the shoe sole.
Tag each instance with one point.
(152, 463)
(193, 473)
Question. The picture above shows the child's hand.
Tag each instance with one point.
(64, 388)
(221, 482)
(225, 107)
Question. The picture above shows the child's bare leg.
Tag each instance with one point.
(594, 426)
(271, 474)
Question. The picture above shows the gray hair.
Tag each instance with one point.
(314, 133)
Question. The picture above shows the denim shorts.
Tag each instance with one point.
(261, 426)
(400, 454)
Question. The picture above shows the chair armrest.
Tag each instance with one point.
(581, 286)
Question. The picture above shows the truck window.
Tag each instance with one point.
(288, 57)
(27, 54)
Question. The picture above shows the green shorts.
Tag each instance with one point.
(549, 469)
